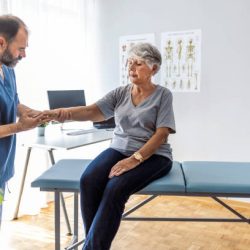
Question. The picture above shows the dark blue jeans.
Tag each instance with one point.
(103, 199)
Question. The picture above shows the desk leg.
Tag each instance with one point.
(52, 159)
(57, 220)
(76, 217)
(51, 156)
(22, 182)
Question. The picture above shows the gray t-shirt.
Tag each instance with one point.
(135, 125)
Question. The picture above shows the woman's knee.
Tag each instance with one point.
(85, 180)
(93, 178)
(116, 192)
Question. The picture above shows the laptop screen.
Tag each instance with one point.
(110, 123)
(65, 98)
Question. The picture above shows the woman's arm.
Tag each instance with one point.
(159, 137)
(81, 113)
(147, 150)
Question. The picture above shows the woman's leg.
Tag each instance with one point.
(116, 193)
(93, 182)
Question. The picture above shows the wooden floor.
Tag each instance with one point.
(37, 232)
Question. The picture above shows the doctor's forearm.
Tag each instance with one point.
(9, 129)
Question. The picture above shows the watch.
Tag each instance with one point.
(138, 157)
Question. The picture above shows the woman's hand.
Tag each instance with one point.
(123, 166)
(60, 115)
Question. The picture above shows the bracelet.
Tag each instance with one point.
(138, 157)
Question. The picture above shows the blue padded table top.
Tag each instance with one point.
(173, 182)
(217, 177)
(64, 175)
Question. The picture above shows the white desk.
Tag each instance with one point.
(55, 139)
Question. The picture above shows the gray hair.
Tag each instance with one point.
(149, 53)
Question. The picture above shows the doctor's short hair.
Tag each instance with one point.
(9, 26)
(147, 52)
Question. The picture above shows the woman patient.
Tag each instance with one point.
(139, 152)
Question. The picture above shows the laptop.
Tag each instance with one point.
(107, 124)
(66, 98)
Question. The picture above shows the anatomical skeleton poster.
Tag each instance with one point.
(181, 60)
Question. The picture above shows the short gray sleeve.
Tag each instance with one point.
(165, 117)
(107, 104)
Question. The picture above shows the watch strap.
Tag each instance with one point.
(138, 157)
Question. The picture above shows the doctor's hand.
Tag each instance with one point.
(34, 113)
(26, 122)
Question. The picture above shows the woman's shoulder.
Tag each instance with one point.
(164, 90)
(122, 89)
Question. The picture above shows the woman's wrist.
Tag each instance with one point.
(137, 155)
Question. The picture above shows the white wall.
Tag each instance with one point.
(212, 124)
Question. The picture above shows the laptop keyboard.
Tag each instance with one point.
(82, 131)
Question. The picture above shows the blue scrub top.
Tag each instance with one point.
(8, 113)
